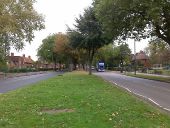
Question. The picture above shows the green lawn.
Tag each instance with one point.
(157, 78)
(81, 101)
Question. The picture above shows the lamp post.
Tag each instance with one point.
(136, 37)
(53, 60)
(123, 54)
(51, 57)
(134, 56)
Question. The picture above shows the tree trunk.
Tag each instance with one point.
(83, 65)
(90, 64)
(91, 55)
(55, 64)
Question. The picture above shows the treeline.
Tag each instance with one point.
(104, 22)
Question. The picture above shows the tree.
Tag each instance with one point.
(121, 18)
(46, 49)
(114, 55)
(18, 21)
(105, 54)
(124, 55)
(66, 53)
(63, 49)
(56, 49)
(121, 55)
(88, 34)
(158, 52)
(2, 60)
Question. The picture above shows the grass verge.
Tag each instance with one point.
(157, 78)
(76, 100)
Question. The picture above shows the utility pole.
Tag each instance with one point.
(134, 56)
(136, 38)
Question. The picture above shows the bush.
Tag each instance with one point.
(22, 70)
(158, 71)
(45, 69)
(116, 68)
(3, 67)
(166, 72)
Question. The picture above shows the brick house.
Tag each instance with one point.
(45, 65)
(20, 61)
(142, 59)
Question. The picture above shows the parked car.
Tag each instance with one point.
(92, 67)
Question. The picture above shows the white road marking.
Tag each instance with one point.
(149, 99)
(128, 89)
(166, 109)
(139, 95)
(154, 102)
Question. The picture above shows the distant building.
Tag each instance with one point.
(141, 59)
(44, 64)
(19, 61)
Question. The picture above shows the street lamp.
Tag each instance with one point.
(134, 56)
(136, 37)
(51, 57)
(123, 53)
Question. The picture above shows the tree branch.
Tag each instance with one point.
(158, 33)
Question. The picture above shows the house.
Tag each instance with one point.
(45, 65)
(19, 61)
(141, 59)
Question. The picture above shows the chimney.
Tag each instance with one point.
(29, 57)
(12, 54)
(23, 55)
(141, 51)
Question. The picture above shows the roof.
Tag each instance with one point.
(141, 56)
(27, 60)
(21, 58)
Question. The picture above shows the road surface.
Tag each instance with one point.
(17, 82)
(154, 91)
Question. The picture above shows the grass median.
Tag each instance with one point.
(76, 100)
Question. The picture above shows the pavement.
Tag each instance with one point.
(153, 74)
(11, 75)
(154, 91)
(118, 72)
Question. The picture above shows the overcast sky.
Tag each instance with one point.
(58, 14)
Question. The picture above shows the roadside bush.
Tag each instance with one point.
(150, 71)
(45, 69)
(3, 68)
(158, 71)
(116, 68)
(109, 68)
(166, 72)
(22, 70)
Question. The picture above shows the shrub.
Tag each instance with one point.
(3, 68)
(158, 71)
(166, 72)
(22, 70)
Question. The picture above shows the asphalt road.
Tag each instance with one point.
(17, 82)
(154, 91)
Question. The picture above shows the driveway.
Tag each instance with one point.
(17, 82)
(154, 91)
